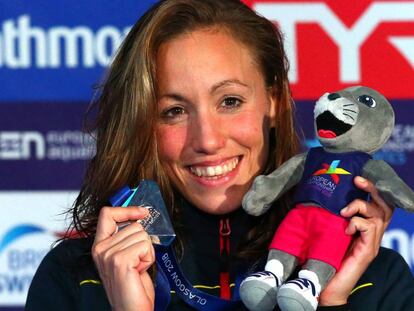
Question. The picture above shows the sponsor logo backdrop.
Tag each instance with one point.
(52, 54)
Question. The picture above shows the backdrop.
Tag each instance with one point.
(53, 53)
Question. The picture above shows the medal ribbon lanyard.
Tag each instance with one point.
(192, 296)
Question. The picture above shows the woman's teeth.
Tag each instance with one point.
(214, 171)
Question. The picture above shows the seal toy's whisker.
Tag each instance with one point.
(350, 110)
(349, 116)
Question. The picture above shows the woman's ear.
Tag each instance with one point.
(272, 107)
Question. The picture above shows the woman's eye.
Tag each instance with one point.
(231, 102)
(172, 113)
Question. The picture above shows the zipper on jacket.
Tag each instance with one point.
(224, 231)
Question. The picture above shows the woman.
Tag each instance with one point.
(196, 99)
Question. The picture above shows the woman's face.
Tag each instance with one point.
(214, 118)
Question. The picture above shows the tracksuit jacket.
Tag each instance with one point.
(67, 278)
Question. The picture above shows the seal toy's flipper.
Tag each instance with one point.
(392, 188)
(269, 188)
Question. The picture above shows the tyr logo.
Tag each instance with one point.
(348, 38)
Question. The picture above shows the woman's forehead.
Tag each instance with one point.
(205, 56)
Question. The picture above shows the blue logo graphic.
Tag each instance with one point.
(18, 232)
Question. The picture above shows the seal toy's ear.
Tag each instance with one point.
(356, 118)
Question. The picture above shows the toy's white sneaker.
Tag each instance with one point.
(300, 294)
(259, 291)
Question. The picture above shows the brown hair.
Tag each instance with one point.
(127, 110)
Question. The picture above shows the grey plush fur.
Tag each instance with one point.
(370, 118)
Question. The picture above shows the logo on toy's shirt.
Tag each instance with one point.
(324, 184)
(332, 170)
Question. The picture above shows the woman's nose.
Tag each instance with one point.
(208, 135)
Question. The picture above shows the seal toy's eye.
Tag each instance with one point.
(367, 101)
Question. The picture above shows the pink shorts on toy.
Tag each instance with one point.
(312, 232)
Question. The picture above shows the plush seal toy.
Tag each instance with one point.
(350, 124)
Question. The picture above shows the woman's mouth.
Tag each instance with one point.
(215, 171)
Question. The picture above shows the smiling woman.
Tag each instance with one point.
(213, 132)
(198, 100)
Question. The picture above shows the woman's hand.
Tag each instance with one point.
(122, 259)
(369, 220)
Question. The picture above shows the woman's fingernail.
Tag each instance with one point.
(361, 179)
(344, 209)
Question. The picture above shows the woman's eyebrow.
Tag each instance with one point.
(214, 88)
(174, 96)
(228, 82)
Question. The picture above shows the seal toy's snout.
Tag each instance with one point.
(330, 117)
(335, 114)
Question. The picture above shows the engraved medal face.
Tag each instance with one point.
(151, 225)
(157, 224)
